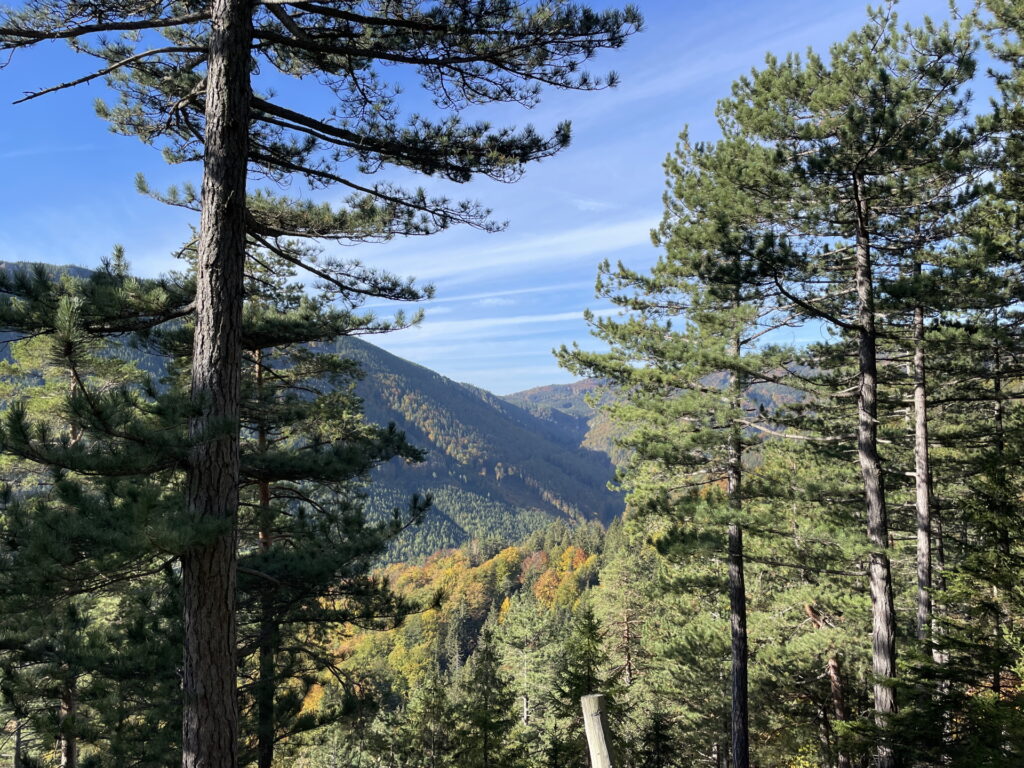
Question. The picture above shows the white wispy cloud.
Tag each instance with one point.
(478, 297)
(485, 327)
(593, 205)
(556, 248)
(495, 301)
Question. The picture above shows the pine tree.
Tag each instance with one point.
(86, 603)
(683, 390)
(580, 669)
(196, 95)
(484, 709)
(851, 156)
(305, 446)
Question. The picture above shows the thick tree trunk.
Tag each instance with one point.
(210, 716)
(883, 618)
(922, 481)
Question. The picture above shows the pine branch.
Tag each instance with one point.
(106, 71)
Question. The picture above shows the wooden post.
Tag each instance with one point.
(595, 722)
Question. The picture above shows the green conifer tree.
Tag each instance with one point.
(850, 156)
(305, 450)
(683, 389)
(484, 710)
(196, 95)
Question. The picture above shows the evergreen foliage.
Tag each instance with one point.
(737, 614)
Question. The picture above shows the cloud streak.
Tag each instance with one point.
(481, 327)
(554, 249)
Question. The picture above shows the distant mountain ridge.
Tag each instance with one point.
(570, 406)
(495, 468)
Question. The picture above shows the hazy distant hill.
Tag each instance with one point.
(567, 406)
(495, 468)
(54, 269)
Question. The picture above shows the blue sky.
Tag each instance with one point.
(504, 300)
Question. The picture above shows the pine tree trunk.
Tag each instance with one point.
(939, 655)
(266, 685)
(835, 681)
(17, 762)
(737, 589)
(738, 611)
(210, 706)
(68, 740)
(922, 481)
(883, 619)
(1002, 515)
(629, 670)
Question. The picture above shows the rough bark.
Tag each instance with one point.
(883, 619)
(210, 717)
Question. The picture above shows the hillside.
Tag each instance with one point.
(568, 406)
(495, 469)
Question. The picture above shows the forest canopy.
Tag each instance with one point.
(819, 561)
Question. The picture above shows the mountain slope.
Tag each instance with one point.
(568, 406)
(495, 468)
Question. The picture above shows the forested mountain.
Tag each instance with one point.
(576, 408)
(494, 469)
(213, 539)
